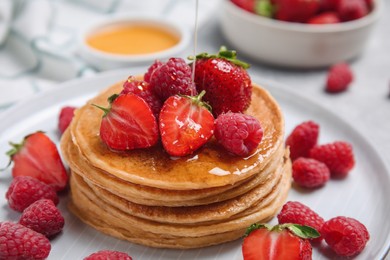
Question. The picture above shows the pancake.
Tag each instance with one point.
(193, 214)
(87, 206)
(158, 197)
(155, 168)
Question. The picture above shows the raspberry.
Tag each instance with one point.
(328, 5)
(238, 133)
(25, 190)
(338, 156)
(65, 117)
(339, 78)
(352, 9)
(43, 217)
(174, 77)
(310, 173)
(150, 73)
(108, 254)
(302, 139)
(298, 213)
(19, 242)
(142, 89)
(346, 236)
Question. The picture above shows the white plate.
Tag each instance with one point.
(363, 195)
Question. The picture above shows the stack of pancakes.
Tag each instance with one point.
(148, 197)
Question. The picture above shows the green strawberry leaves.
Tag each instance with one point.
(304, 232)
(224, 53)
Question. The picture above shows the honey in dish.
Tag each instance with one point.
(132, 40)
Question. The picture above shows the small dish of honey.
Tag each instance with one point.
(124, 41)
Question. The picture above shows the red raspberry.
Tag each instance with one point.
(339, 78)
(65, 117)
(108, 254)
(310, 173)
(153, 68)
(352, 9)
(238, 133)
(173, 77)
(346, 236)
(325, 18)
(338, 156)
(43, 217)
(303, 137)
(142, 89)
(298, 213)
(25, 190)
(19, 242)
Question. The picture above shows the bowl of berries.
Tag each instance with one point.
(299, 33)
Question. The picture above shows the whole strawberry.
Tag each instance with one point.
(298, 213)
(296, 10)
(173, 77)
(142, 89)
(19, 242)
(37, 156)
(302, 138)
(338, 156)
(185, 124)
(310, 173)
(128, 123)
(24, 191)
(339, 78)
(43, 217)
(346, 236)
(349, 10)
(248, 5)
(108, 255)
(325, 18)
(238, 133)
(286, 241)
(226, 82)
(65, 118)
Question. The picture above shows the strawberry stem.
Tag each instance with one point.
(224, 53)
(110, 99)
(197, 100)
(304, 232)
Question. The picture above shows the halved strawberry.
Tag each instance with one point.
(185, 124)
(286, 241)
(37, 156)
(128, 123)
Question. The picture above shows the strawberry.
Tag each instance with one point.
(248, 5)
(325, 18)
(128, 123)
(296, 10)
(37, 156)
(286, 241)
(226, 82)
(185, 124)
(349, 10)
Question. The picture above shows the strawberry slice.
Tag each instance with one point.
(128, 123)
(37, 156)
(286, 241)
(186, 123)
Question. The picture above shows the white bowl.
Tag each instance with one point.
(105, 61)
(295, 45)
